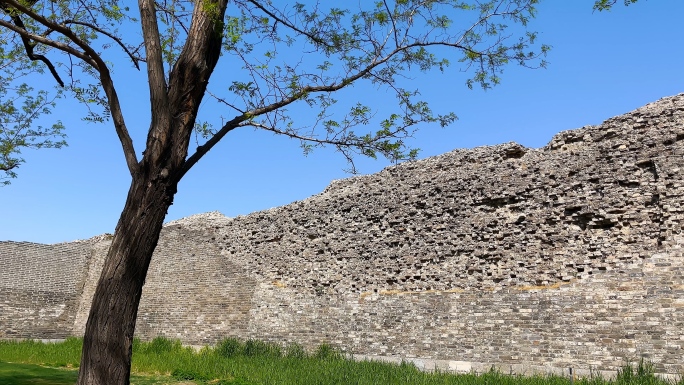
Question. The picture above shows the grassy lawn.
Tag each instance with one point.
(162, 361)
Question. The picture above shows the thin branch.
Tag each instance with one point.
(119, 123)
(168, 12)
(224, 101)
(134, 58)
(394, 25)
(9, 167)
(293, 135)
(88, 9)
(288, 24)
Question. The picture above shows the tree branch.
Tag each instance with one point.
(237, 121)
(294, 135)
(119, 123)
(91, 57)
(203, 149)
(87, 49)
(394, 25)
(170, 13)
(9, 167)
(153, 53)
(159, 98)
(29, 47)
(55, 44)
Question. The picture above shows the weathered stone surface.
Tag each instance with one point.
(564, 256)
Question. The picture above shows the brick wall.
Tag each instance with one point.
(40, 286)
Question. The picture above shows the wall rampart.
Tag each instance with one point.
(40, 286)
(191, 292)
(565, 256)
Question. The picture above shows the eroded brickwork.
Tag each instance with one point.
(594, 199)
(567, 255)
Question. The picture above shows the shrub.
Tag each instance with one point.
(229, 347)
(256, 348)
(160, 345)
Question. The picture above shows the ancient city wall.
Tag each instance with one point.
(40, 286)
(568, 255)
(191, 292)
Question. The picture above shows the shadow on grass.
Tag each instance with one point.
(31, 374)
(25, 374)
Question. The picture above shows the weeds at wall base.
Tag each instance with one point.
(253, 362)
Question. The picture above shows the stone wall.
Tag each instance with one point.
(191, 292)
(567, 255)
(202, 290)
(40, 286)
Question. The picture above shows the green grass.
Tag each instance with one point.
(24, 374)
(163, 361)
(64, 354)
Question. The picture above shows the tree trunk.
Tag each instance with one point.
(108, 340)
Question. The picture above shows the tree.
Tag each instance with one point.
(288, 54)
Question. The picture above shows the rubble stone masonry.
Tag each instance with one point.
(565, 256)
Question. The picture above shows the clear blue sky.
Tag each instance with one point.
(601, 65)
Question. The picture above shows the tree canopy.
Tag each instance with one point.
(279, 55)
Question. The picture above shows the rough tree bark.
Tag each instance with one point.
(109, 332)
(108, 340)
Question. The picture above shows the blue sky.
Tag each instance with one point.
(601, 65)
